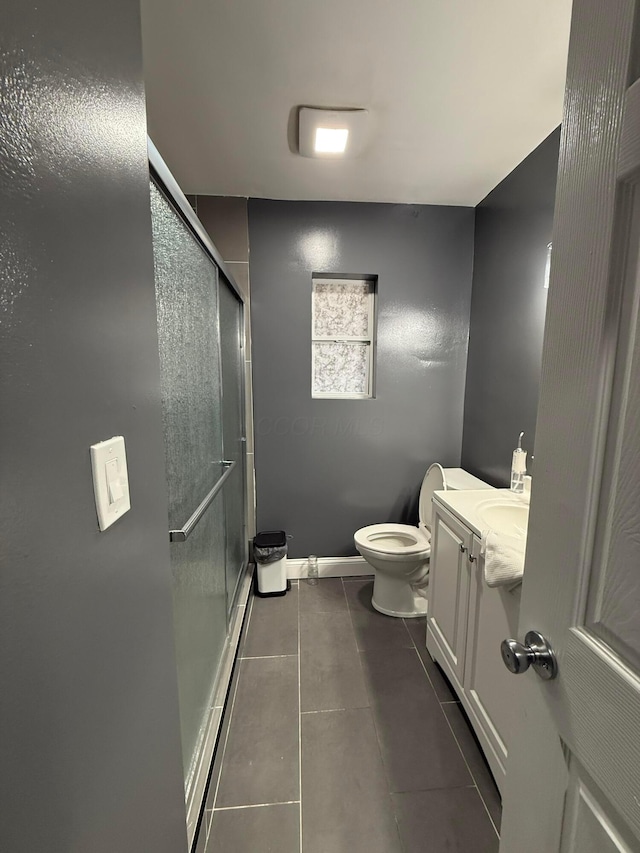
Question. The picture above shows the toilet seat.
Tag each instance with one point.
(379, 537)
(399, 540)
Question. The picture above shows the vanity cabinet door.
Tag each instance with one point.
(448, 593)
(491, 692)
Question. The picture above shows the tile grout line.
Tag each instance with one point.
(353, 627)
(375, 727)
(452, 702)
(475, 783)
(353, 630)
(437, 788)
(256, 806)
(415, 648)
(333, 710)
(299, 722)
(264, 657)
(231, 710)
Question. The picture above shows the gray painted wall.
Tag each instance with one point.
(90, 756)
(513, 227)
(327, 467)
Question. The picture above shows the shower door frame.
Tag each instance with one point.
(196, 787)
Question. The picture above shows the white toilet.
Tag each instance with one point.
(399, 553)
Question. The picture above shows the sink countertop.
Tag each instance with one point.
(464, 504)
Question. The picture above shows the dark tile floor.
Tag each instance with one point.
(342, 736)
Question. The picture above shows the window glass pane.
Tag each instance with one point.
(341, 309)
(340, 368)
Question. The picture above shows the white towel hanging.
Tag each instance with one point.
(503, 558)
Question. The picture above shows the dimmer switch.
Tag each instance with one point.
(110, 480)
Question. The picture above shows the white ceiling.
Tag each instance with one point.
(459, 92)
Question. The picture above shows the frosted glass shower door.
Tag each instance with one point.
(231, 339)
(188, 340)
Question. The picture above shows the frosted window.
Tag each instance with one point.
(340, 368)
(341, 309)
(342, 337)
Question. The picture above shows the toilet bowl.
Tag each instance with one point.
(399, 553)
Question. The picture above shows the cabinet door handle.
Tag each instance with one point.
(463, 549)
(472, 559)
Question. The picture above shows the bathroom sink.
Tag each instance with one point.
(504, 517)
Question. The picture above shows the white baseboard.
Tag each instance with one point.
(330, 567)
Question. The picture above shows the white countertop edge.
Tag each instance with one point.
(463, 504)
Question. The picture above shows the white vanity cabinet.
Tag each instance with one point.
(449, 587)
(466, 622)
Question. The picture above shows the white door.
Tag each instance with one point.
(573, 775)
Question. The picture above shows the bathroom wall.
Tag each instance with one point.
(326, 467)
(513, 227)
(90, 757)
(225, 219)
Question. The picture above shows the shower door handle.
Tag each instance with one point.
(183, 534)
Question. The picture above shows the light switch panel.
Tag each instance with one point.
(110, 480)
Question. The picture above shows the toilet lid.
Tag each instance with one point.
(433, 481)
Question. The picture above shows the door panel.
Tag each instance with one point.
(589, 825)
(232, 353)
(603, 706)
(614, 600)
(187, 306)
(581, 587)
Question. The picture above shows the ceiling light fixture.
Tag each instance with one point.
(331, 134)
(331, 140)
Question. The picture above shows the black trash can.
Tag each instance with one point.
(270, 553)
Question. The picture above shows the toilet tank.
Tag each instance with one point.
(458, 479)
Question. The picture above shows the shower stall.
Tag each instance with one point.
(200, 339)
